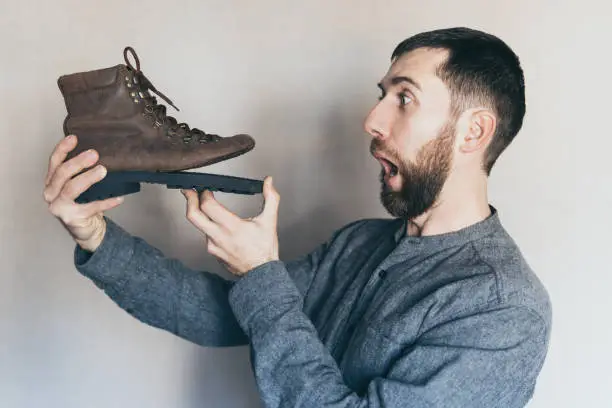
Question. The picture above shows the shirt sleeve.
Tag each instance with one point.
(464, 362)
(161, 291)
(165, 294)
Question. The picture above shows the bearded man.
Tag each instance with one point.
(435, 307)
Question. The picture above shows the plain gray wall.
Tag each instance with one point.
(300, 77)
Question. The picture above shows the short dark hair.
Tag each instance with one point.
(480, 69)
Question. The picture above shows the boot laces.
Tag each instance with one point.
(157, 112)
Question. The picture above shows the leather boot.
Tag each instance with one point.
(112, 111)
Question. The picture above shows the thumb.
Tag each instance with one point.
(271, 200)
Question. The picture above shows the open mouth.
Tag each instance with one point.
(390, 168)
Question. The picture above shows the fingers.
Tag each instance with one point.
(64, 207)
(68, 212)
(79, 184)
(95, 207)
(196, 216)
(213, 249)
(66, 171)
(63, 147)
(217, 212)
(271, 201)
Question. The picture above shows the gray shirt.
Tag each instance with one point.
(370, 318)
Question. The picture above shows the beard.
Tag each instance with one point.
(422, 180)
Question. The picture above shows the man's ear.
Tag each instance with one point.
(479, 128)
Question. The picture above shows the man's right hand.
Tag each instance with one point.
(84, 222)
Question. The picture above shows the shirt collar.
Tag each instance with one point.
(472, 232)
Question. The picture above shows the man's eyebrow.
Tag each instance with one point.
(399, 79)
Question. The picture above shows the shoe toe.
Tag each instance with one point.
(246, 142)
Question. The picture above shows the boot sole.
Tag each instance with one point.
(121, 183)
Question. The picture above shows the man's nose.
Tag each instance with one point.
(376, 124)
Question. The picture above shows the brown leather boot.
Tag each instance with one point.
(111, 110)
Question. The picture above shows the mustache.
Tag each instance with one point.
(378, 146)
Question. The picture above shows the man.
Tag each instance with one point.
(435, 307)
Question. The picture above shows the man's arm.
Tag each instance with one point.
(486, 359)
(165, 294)
(161, 291)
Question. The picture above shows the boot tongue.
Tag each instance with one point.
(159, 111)
(144, 92)
(146, 85)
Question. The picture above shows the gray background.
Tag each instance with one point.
(300, 77)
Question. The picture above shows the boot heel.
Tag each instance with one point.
(108, 188)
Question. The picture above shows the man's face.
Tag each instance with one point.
(412, 133)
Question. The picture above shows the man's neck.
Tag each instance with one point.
(459, 205)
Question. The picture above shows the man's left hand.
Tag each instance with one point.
(240, 244)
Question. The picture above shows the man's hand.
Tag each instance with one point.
(84, 222)
(241, 245)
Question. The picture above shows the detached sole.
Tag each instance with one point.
(128, 182)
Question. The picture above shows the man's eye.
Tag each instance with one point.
(405, 99)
